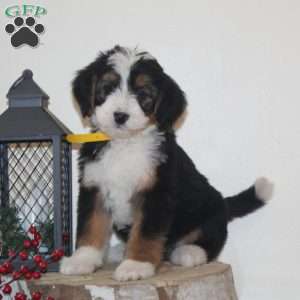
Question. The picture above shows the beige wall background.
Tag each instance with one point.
(239, 64)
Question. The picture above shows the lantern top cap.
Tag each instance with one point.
(27, 116)
(26, 93)
(27, 74)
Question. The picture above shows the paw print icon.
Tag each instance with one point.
(24, 32)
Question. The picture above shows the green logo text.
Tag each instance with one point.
(25, 10)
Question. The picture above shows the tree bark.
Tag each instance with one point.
(212, 281)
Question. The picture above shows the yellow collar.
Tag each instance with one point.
(87, 138)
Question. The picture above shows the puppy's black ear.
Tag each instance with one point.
(84, 90)
(171, 103)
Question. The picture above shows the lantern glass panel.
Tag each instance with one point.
(27, 192)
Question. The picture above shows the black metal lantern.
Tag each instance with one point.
(35, 170)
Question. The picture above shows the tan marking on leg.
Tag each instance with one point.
(143, 249)
(97, 231)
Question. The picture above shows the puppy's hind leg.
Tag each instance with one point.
(205, 247)
(188, 256)
(93, 234)
(214, 235)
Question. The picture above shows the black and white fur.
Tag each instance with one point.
(143, 171)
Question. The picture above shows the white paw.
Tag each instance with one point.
(133, 270)
(83, 261)
(264, 189)
(188, 256)
(115, 253)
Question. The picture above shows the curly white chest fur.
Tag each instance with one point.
(122, 169)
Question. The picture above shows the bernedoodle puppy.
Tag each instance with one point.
(141, 184)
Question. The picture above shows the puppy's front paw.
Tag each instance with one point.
(84, 261)
(75, 266)
(133, 270)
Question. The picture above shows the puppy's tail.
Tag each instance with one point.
(250, 200)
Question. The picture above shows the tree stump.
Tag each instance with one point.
(212, 281)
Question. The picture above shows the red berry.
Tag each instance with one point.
(27, 244)
(28, 275)
(16, 275)
(20, 296)
(54, 257)
(2, 270)
(37, 258)
(23, 255)
(57, 254)
(11, 253)
(35, 243)
(36, 275)
(8, 267)
(61, 253)
(24, 269)
(7, 289)
(32, 229)
(36, 296)
(43, 265)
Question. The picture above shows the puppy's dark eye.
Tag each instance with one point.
(147, 105)
(108, 88)
(99, 99)
(109, 82)
(146, 102)
(141, 94)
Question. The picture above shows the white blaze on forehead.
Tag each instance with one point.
(123, 60)
(121, 99)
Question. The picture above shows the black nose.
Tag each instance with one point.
(120, 117)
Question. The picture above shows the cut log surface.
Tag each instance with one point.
(212, 281)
